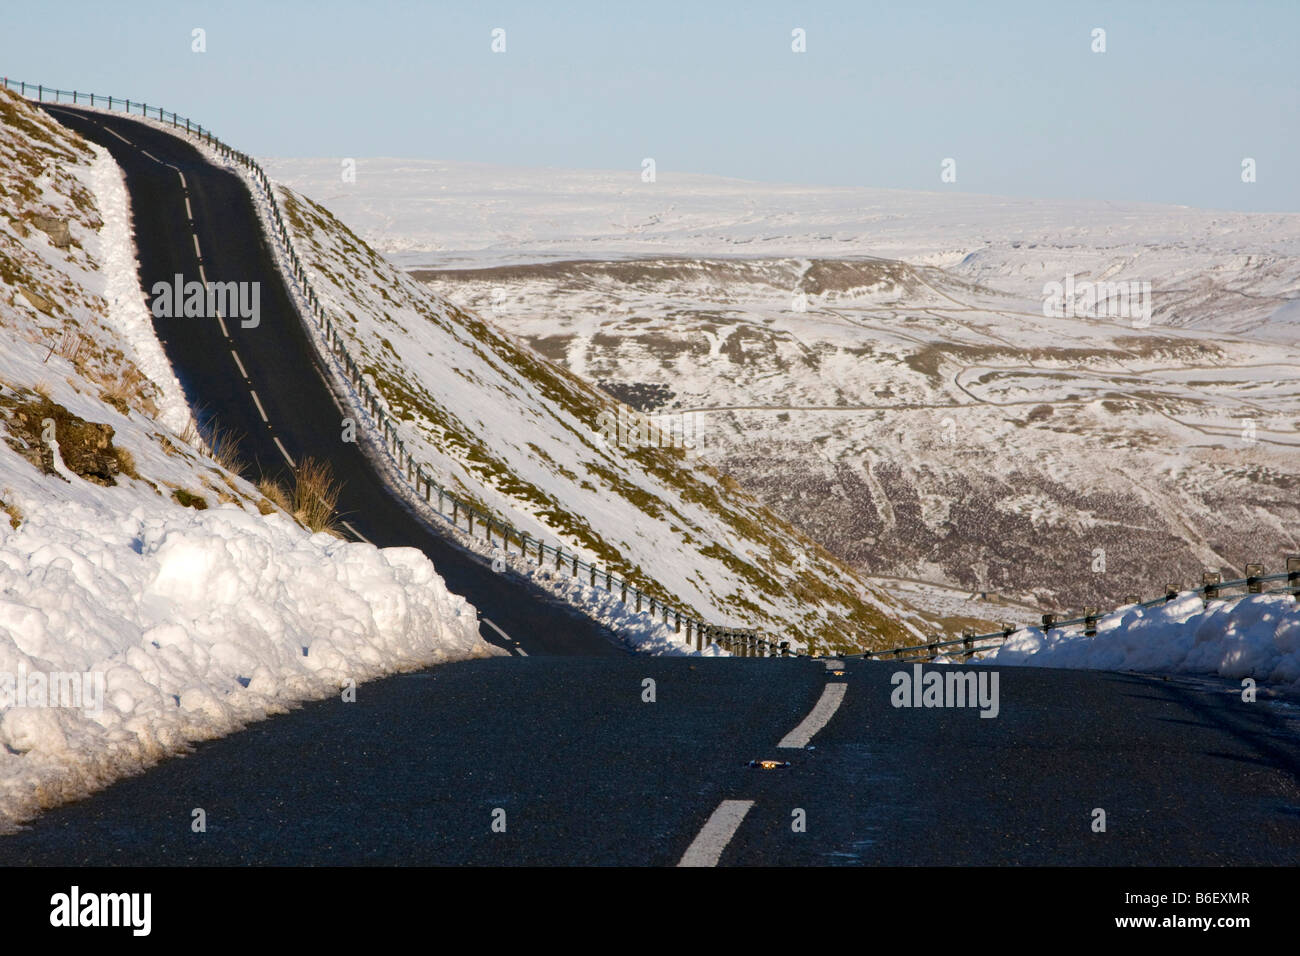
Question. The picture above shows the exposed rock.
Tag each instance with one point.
(86, 447)
(38, 301)
(56, 229)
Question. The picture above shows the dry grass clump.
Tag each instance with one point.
(273, 496)
(13, 511)
(223, 444)
(316, 495)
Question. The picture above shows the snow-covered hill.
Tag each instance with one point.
(545, 451)
(876, 366)
(149, 597)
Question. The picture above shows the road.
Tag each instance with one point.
(562, 757)
(194, 219)
(586, 771)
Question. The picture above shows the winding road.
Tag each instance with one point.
(580, 753)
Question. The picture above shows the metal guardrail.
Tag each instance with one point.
(745, 642)
(1211, 589)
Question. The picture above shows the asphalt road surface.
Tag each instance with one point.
(574, 766)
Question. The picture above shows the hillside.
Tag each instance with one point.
(527, 441)
(149, 596)
(877, 368)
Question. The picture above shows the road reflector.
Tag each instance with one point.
(769, 764)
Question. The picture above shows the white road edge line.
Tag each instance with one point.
(706, 849)
(822, 712)
(260, 410)
(356, 532)
(283, 452)
(242, 371)
(522, 652)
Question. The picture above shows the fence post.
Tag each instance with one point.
(1049, 621)
(1171, 592)
(1090, 622)
(967, 645)
(1210, 581)
(1293, 574)
(1253, 573)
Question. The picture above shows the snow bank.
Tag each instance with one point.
(1256, 636)
(181, 625)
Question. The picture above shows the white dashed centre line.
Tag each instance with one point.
(258, 402)
(707, 847)
(517, 649)
(188, 211)
(356, 532)
(283, 452)
(112, 132)
(198, 252)
(827, 704)
(221, 321)
(242, 371)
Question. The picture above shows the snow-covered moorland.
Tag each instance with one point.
(149, 597)
(523, 440)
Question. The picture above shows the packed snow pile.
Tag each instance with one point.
(1257, 636)
(124, 637)
(149, 596)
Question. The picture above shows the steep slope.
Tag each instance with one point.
(532, 444)
(149, 596)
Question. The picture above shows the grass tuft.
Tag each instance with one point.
(315, 495)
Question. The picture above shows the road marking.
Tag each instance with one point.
(222, 322)
(203, 275)
(258, 402)
(283, 452)
(152, 156)
(184, 184)
(827, 704)
(188, 211)
(242, 371)
(520, 650)
(356, 532)
(113, 132)
(707, 847)
(197, 251)
(834, 665)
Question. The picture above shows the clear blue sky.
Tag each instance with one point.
(885, 91)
